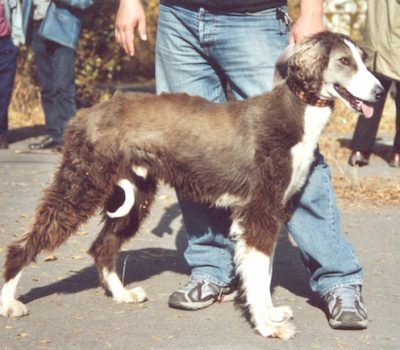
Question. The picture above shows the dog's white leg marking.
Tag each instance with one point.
(315, 120)
(9, 306)
(140, 171)
(255, 269)
(119, 292)
(129, 189)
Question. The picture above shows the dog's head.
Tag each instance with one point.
(329, 66)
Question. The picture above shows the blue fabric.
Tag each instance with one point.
(62, 23)
(8, 66)
(55, 65)
(200, 52)
(13, 14)
(80, 4)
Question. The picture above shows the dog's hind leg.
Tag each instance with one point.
(78, 189)
(254, 258)
(115, 232)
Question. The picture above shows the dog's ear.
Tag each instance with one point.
(307, 64)
(281, 66)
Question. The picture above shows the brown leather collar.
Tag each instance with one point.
(307, 97)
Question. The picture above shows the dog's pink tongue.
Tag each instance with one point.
(366, 110)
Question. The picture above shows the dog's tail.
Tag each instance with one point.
(82, 184)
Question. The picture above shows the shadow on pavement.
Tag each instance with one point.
(19, 134)
(133, 266)
(140, 265)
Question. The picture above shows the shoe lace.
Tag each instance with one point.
(348, 295)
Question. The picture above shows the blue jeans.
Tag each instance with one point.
(199, 53)
(55, 66)
(8, 66)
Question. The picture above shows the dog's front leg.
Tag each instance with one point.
(255, 269)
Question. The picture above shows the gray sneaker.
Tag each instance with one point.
(346, 309)
(199, 293)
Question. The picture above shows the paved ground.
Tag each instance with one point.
(68, 310)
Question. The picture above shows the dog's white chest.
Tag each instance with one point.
(315, 119)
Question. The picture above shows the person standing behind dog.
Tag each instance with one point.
(11, 36)
(382, 44)
(201, 47)
(54, 28)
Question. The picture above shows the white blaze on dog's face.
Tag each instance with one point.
(348, 79)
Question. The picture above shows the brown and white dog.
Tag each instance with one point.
(250, 156)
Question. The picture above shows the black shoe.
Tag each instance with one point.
(3, 142)
(359, 158)
(47, 143)
(395, 160)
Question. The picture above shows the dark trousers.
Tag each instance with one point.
(366, 129)
(55, 66)
(8, 66)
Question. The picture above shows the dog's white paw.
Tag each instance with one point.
(135, 295)
(13, 308)
(280, 314)
(284, 331)
(275, 323)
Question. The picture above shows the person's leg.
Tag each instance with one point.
(182, 65)
(366, 129)
(250, 75)
(395, 156)
(44, 73)
(64, 91)
(315, 226)
(335, 272)
(396, 143)
(246, 48)
(8, 66)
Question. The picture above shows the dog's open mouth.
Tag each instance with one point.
(363, 107)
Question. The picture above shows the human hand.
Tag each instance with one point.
(130, 16)
(309, 22)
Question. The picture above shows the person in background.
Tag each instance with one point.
(201, 47)
(54, 28)
(382, 44)
(11, 36)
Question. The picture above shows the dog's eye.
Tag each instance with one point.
(345, 61)
(364, 56)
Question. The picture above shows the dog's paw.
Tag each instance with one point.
(135, 295)
(138, 294)
(275, 323)
(280, 314)
(14, 308)
(284, 331)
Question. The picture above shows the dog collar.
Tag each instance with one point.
(307, 97)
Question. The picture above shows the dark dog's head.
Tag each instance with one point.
(329, 66)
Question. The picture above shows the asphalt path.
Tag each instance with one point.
(69, 310)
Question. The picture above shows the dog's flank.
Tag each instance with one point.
(250, 157)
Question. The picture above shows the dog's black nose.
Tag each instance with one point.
(379, 91)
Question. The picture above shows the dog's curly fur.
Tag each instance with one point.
(239, 155)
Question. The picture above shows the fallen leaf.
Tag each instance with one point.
(81, 233)
(22, 335)
(50, 258)
(77, 257)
